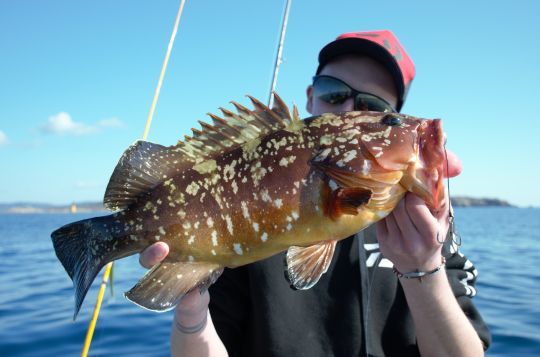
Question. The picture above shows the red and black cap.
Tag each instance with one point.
(382, 46)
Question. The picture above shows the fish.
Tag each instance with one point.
(255, 183)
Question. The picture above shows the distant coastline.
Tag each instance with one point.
(461, 201)
(32, 208)
(86, 207)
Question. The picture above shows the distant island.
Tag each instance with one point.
(85, 207)
(479, 202)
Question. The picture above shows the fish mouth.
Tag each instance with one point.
(425, 177)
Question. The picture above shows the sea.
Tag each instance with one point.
(36, 295)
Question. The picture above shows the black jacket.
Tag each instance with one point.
(256, 313)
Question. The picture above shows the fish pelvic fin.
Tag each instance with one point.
(304, 266)
(163, 286)
(81, 248)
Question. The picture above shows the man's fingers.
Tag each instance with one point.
(153, 254)
(421, 216)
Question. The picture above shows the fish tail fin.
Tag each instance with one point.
(82, 248)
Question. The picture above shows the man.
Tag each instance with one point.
(360, 306)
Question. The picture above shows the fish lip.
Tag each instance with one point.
(426, 178)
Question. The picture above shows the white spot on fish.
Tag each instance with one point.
(285, 161)
(295, 215)
(213, 252)
(214, 238)
(349, 155)
(245, 211)
(366, 167)
(229, 224)
(264, 236)
(278, 203)
(238, 248)
(192, 188)
(265, 196)
(255, 226)
(191, 240)
(234, 187)
(210, 222)
(289, 227)
(205, 167)
(323, 155)
(161, 230)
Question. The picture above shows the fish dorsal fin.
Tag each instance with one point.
(306, 265)
(142, 167)
(235, 129)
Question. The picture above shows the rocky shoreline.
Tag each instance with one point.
(459, 201)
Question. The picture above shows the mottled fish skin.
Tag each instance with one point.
(220, 200)
(259, 199)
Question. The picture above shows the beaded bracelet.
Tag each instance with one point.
(419, 274)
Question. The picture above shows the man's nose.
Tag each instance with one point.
(347, 106)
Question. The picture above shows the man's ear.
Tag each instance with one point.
(309, 104)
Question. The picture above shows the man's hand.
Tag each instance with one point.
(193, 307)
(410, 235)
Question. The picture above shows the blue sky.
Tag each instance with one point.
(77, 80)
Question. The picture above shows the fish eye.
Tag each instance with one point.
(391, 120)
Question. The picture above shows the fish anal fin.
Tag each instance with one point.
(306, 265)
(347, 200)
(163, 287)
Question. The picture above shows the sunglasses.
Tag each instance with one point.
(332, 90)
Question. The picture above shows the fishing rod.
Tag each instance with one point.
(279, 53)
(109, 266)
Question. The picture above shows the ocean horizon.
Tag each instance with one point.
(36, 298)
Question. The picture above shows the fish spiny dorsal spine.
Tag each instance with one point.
(235, 129)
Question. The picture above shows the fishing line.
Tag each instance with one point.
(454, 234)
(109, 266)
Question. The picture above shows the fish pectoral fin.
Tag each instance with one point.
(306, 265)
(163, 286)
(347, 200)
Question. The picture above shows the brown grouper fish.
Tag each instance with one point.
(256, 183)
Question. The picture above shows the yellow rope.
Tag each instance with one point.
(108, 267)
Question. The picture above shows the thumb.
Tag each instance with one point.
(154, 254)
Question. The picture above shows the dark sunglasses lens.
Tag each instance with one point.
(372, 104)
(331, 90)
